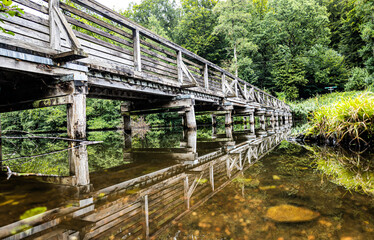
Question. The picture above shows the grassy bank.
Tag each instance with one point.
(342, 117)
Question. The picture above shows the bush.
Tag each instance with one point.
(359, 79)
(350, 120)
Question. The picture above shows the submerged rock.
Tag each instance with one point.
(289, 213)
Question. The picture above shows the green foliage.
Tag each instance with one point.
(159, 15)
(351, 119)
(359, 79)
(9, 10)
(195, 30)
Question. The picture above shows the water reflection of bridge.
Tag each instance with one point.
(143, 206)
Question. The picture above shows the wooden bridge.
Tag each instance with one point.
(141, 208)
(63, 52)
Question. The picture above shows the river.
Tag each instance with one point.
(169, 184)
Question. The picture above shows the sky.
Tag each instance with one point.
(117, 4)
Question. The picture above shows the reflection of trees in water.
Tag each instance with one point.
(17, 152)
(348, 169)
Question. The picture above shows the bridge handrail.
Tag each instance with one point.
(114, 16)
(126, 47)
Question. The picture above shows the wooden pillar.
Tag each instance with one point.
(228, 119)
(272, 120)
(190, 118)
(76, 126)
(1, 148)
(262, 122)
(214, 120)
(286, 119)
(127, 123)
(191, 139)
(125, 112)
(252, 122)
(228, 131)
(137, 55)
(277, 120)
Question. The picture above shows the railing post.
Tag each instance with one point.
(137, 56)
(223, 82)
(236, 87)
(54, 31)
(180, 71)
(206, 77)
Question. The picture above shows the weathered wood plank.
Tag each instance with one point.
(19, 21)
(100, 32)
(97, 21)
(33, 5)
(149, 52)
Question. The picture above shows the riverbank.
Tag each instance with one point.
(338, 118)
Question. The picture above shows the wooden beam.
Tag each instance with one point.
(69, 30)
(37, 104)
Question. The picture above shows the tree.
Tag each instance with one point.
(195, 30)
(6, 10)
(163, 13)
(233, 22)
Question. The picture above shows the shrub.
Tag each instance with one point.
(359, 79)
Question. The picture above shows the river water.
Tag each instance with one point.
(169, 184)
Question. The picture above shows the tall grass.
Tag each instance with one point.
(348, 118)
(303, 109)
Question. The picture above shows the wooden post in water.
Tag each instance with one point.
(125, 112)
(252, 122)
(191, 139)
(1, 148)
(262, 122)
(76, 126)
(228, 119)
(214, 120)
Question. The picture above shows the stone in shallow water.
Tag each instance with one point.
(289, 213)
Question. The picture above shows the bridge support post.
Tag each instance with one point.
(262, 122)
(252, 122)
(1, 148)
(190, 119)
(126, 116)
(228, 119)
(76, 126)
(277, 119)
(214, 120)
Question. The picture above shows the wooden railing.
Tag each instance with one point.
(114, 43)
